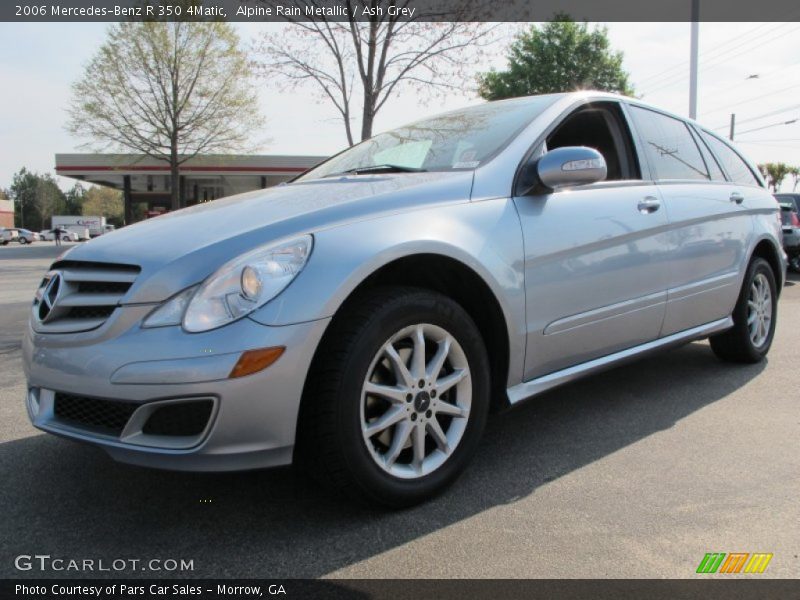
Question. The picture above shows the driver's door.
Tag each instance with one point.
(595, 261)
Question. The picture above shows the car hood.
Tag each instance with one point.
(184, 247)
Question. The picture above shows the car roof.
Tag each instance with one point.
(590, 95)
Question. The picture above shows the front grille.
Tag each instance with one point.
(90, 312)
(103, 287)
(108, 417)
(79, 296)
(181, 419)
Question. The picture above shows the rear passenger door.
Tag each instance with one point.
(708, 228)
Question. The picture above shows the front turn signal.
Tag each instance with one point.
(253, 361)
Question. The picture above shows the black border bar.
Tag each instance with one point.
(412, 10)
(711, 588)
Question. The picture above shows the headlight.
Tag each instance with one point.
(170, 312)
(236, 289)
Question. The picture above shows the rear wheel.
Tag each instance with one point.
(23, 240)
(754, 317)
(397, 399)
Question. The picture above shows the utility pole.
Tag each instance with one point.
(733, 126)
(694, 51)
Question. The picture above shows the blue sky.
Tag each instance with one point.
(39, 61)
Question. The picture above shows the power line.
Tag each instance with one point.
(683, 64)
(754, 98)
(768, 126)
(759, 117)
(706, 56)
(772, 140)
(723, 57)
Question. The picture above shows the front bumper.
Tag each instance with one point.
(253, 420)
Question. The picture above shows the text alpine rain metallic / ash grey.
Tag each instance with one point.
(363, 319)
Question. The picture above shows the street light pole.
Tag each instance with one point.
(694, 51)
(733, 126)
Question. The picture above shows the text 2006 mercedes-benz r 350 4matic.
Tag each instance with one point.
(362, 319)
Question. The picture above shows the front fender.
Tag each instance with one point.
(484, 236)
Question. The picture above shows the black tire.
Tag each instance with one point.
(735, 344)
(22, 241)
(330, 445)
(794, 263)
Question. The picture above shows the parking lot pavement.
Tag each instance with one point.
(637, 472)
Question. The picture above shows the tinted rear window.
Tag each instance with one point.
(669, 145)
(734, 164)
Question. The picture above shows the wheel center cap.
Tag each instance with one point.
(422, 402)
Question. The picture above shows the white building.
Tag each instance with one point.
(145, 180)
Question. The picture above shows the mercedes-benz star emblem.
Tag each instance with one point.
(49, 297)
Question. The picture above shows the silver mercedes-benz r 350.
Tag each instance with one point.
(363, 319)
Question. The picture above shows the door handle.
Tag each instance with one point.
(649, 204)
(737, 197)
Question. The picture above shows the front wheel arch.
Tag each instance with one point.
(459, 282)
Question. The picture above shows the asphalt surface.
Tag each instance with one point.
(637, 472)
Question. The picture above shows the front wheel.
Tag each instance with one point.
(23, 241)
(398, 397)
(754, 317)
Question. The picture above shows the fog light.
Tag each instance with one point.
(254, 361)
(33, 401)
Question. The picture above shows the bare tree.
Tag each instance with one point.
(167, 90)
(357, 64)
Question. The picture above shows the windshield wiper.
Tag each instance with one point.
(387, 168)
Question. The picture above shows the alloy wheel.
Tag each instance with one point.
(759, 310)
(415, 401)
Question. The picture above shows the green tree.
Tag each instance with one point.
(167, 90)
(775, 173)
(36, 199)
(50, 200)
(4, 194)
(23, 192)
(559, 56)
(794, 172)
(105, 202)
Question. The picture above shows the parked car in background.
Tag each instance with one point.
(791, 234)
(26, 236)
(49, 235)
(790, 198)
(362, 319)
(8, 235)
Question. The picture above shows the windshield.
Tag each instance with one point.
(462, 139)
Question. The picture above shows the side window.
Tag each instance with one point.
(737, 169)
(669, 146)
(711, 162)
(600, 127)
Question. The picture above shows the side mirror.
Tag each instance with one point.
(571, 166)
